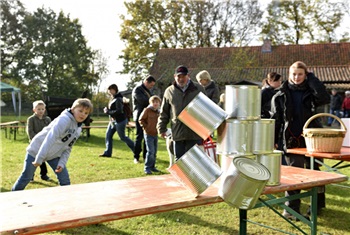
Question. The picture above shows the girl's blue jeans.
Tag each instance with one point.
(120, 129)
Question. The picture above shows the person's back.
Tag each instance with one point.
(35, 124)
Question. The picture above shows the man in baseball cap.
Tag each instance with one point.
(181, 70)
(176, 97)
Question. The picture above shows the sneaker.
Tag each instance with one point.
(148, 172)
(45, 177)
(292, 217)
(136, 161)
(103, 155)
(155, 170)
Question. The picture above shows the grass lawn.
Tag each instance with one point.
(85, 166)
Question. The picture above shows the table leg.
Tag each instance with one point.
(242, 222)
(312, 163)
(313, 218)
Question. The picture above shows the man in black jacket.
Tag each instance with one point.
(335, 105)
(140, 100)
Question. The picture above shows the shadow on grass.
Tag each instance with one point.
(328, 215)
(186, 218)
(100, 228)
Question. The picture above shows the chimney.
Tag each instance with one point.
(266, 47)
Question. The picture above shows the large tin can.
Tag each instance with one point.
(195, 170)
(272, 161)
(243, 183)
(263, 136)
(235, 137)
(243, 102)
(202, 116)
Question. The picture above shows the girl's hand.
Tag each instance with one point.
(35, 164)
(58, 169)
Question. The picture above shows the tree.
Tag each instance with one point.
(12, 15)
(100, 68)
(183, 24)
(290, 22)
(50, 54)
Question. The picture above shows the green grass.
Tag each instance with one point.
(84, 166)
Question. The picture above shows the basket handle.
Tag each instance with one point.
(324, 114)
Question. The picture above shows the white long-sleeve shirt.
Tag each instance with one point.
(56, 140)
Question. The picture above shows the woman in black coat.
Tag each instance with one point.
(294, 103)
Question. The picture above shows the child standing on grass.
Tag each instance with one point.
(148, 121)
(35, 124)
(54, 144)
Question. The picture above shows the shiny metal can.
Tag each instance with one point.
(263, 136)
(243, 183)
(235, 137)
(272, 161)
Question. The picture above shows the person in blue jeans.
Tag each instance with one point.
(148, 121)
(54, 144)
(118, 121)
(335, 106)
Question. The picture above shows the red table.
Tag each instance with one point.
(55, 208)
(342, 156)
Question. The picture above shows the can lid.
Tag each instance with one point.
(251, 168)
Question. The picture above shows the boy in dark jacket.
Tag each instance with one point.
(35, 124)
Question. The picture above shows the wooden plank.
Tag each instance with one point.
(49, 209)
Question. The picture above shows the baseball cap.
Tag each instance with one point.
(181, 70)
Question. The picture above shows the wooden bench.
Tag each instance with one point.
(12, 128)
(29, 212)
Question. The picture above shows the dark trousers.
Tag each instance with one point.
(43, 169)
(140, 145)
(181, 147)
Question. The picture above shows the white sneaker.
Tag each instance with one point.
(136, 161)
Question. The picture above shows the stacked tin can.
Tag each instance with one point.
(245, 134)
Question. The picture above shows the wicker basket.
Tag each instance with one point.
(324, 140)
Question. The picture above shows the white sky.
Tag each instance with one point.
(100, 25)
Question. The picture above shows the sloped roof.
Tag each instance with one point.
(329, 61)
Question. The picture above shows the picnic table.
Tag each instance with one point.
(341, 157)
(11, 128)
(27, 212)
